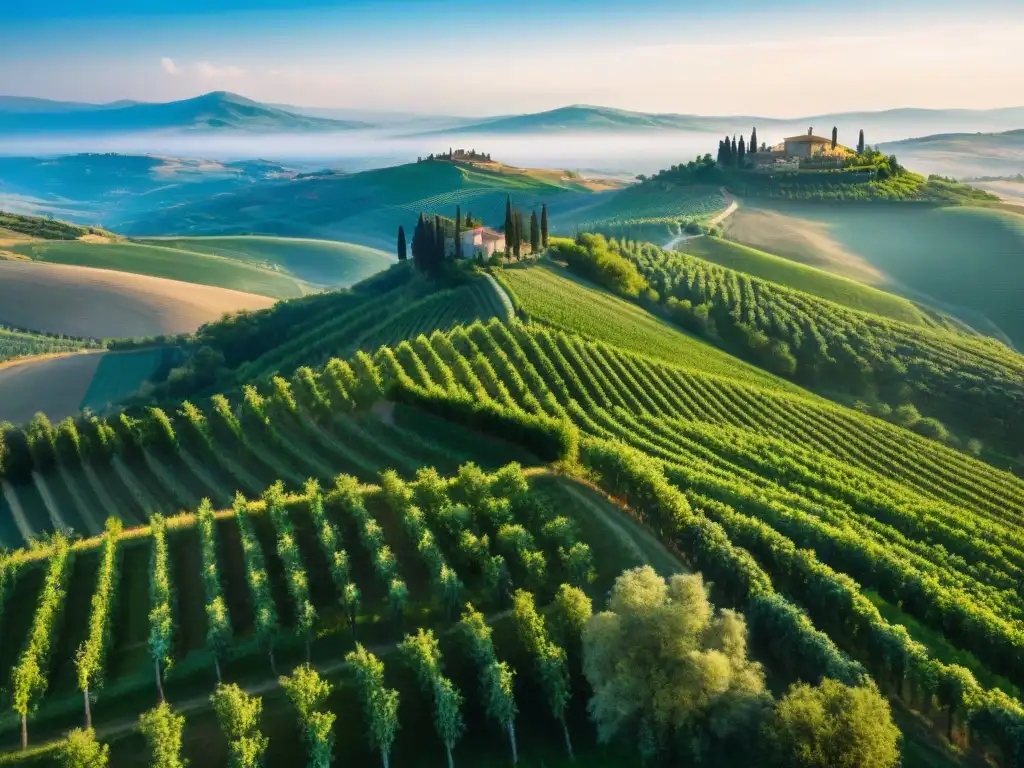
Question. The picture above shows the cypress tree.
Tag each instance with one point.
(741, 157)
(534, 234)
(510, 227)
(753, 140)
(835, 137)
(517, 225)
(401, 244)
(458, 229)
(860, 143)
(544, 225)
(438, 243)
(420, 244)
(734, 152)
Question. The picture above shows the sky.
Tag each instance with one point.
(776, 58)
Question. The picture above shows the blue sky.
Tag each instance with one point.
(771, 57)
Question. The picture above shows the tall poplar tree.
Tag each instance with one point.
(733, 152)
(753, 140)
(741, 154)
(402, 256)
(534, 234)
(860, 143)
(544, 224)
(835, 137)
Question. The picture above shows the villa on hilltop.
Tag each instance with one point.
(806, 146)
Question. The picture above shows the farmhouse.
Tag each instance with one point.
(806, 146)
(482, 240)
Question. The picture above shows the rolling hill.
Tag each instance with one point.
(368, 207)
(267, 266)
(964, 154)
(961, 260)
(890, 124)
(215, 111)
(866, 546)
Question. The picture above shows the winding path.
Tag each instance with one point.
(714, 221)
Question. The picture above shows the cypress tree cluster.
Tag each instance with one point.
(428, 244)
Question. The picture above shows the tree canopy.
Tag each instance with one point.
(669, 672)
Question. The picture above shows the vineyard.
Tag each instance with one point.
(286, 577)
(969, 380)
(873, 551)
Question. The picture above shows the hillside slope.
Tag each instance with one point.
(964, 154)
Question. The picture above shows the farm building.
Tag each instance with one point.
(482, 240)
(806, 146)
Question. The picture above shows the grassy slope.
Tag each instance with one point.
(319, 262)
(171, 263)
(964, 260)
(556, 297)
(804, 278)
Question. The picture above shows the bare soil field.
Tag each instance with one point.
(81, 301)
(52, 384)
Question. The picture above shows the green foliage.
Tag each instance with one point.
(264, 610)
(291, 559)
(495, 677)
(218, 624)
(161, 430)
(161, 618)
(834, 725)
(82, 750)
(29, 678)
(162, 730)
(422, 654)
(667, 669)
(308, 692)
(380, 704)
(590, 257)
(91, 654)
(239, 716)
(550, 662)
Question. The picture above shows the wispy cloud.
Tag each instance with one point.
(206, 69)
(169, 66)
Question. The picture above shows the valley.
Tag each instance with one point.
(451, 460)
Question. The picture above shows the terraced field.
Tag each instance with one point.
(552, 295)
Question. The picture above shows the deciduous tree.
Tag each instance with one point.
(833, 724)
(667, 670)
(239, 716)
(82, 750)
(162, 730)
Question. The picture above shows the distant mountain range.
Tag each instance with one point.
(217, 111)
(963, 154)
(223, 111)
(583, 118)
